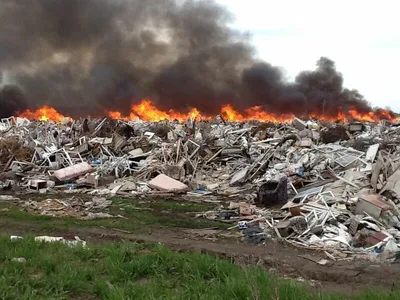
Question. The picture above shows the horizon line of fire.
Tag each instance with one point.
(147, 111)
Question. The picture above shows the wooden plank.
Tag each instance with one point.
(375, 173)
(391, 182)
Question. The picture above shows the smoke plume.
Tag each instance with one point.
(86, 57)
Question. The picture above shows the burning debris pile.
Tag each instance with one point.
(103, 57)
(336, 184)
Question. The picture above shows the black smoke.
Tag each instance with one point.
(86, 57)
(12, 99)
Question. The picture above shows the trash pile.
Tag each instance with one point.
(71, 241)
(74, 207)
(328, 197)
(336, 185)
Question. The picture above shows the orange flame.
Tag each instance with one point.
(45, 113)
(340, 116)
(368, 117)
(116, 115)
(147, 111)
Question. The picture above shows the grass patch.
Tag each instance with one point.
(160, 214)
(135, 271)
(162, 204)
(179, 206)
(166, 213)
(48, 222)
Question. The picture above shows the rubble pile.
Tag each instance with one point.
(336, 185)
(74, 207)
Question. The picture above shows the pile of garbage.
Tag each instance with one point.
(74, 208)
(336, 185)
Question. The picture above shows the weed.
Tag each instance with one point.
(133, 219)
(136, 271)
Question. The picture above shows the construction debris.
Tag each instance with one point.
(273, 193)
(332, 187)
(167, 184)
(74, 207)
(71, 241)
(76, 241)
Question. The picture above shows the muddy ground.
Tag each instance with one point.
(345, 277)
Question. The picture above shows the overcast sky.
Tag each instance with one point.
(362, 37)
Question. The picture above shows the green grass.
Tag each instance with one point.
(161, 204)
(135, 271)
(160, 214)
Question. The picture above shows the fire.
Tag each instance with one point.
(116, 115)
(230, 114)
(339, 116)
(45, 113)
(368, 117)
(147, 111)
(256, 113)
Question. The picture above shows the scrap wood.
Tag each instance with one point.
(343, 179)
(322, 262)
(391, 181)
(123, 231)
(376, 171)
(277, 233)
(330, 255)
(307, 246)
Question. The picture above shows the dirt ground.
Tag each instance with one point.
(342, 277)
